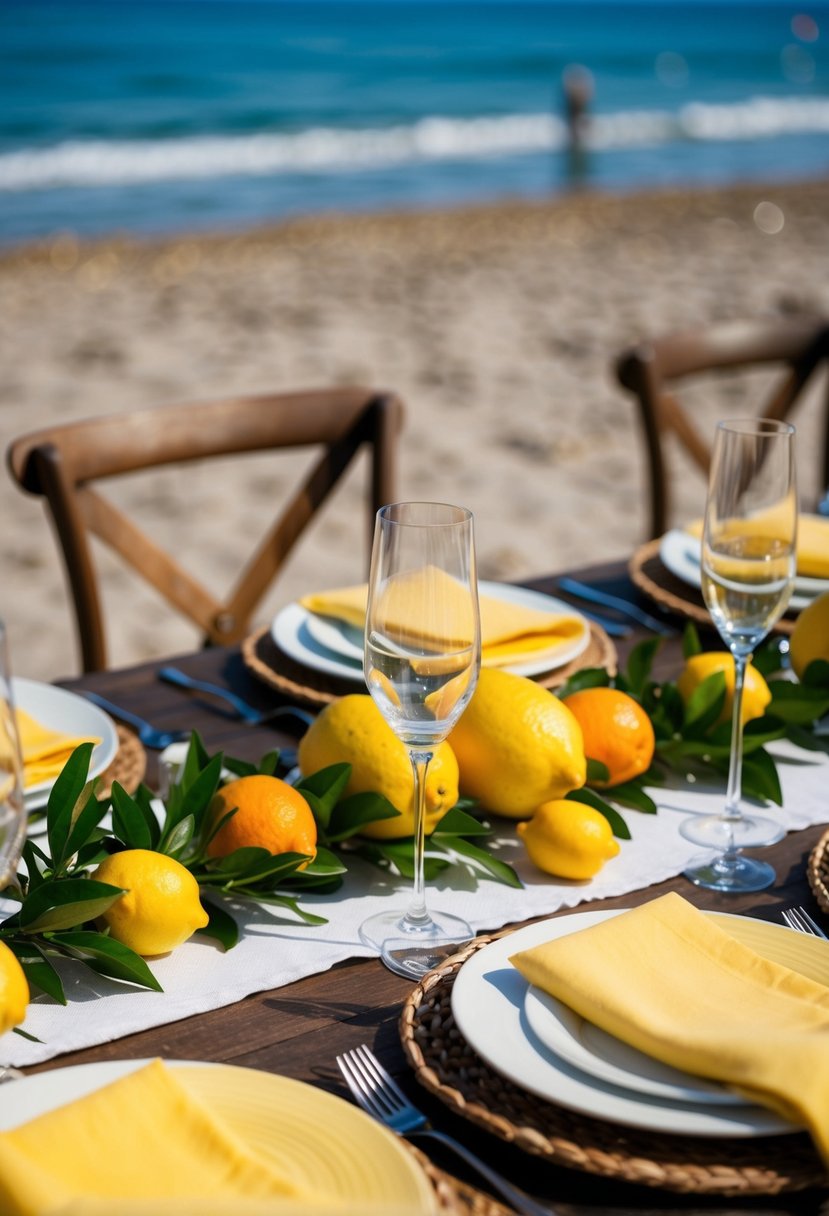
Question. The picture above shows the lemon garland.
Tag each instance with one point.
(690, 739)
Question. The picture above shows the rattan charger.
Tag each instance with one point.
(817, 872)
(448, 1067)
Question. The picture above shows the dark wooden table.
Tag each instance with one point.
(297, 1030)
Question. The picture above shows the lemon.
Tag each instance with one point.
(14, 990)
(756, 693)
(270, 814)
(160, 908)
(517, 745)
(353, 731)
(568, 839)
(810, 636)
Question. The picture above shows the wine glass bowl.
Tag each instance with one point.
(422, 658)
(748, 569)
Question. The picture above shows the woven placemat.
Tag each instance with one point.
(269, 663)
(456, 1198)
(650, 575)
(817, 871)
(447, 1066)
(129, 765)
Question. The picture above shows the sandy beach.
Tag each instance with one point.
(496, 325)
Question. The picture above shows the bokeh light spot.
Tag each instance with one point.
(769, 218)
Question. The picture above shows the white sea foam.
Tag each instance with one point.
(91, 163)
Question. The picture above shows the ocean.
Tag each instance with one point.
(169, 116)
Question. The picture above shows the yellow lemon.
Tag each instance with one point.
(353, 731)
(517, 745)
(568, 839)
(14, 990)
(616, 731)
(810, 636)
(699, 667)
(160, 908)
(270, 814)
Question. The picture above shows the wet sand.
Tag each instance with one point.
(497, 326)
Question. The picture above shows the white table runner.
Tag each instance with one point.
(272, 952)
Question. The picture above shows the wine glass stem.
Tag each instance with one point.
(735, 765)
(417, 913)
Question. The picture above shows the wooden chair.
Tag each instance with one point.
(61, 463)
(799, 344)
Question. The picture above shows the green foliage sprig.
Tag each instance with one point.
(689, 739)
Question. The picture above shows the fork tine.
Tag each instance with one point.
(813, 925)
(359, 1089)
(386, 1100)
(376, 1069)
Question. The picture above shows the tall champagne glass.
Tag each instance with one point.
(748, 568)
(422, 657)
(12, 809)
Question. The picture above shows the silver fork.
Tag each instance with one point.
(381, 1097)
(799, 919)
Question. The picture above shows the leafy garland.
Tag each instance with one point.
(60, 902)
(689, 740)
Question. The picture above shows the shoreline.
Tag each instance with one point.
(497, 325)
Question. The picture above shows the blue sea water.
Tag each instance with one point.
(164, 116)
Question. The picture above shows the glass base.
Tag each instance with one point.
(412, 948)
(732, 873)
(724, 834)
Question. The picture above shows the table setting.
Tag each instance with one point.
(491, 1033)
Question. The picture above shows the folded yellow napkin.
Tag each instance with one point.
(510, 633)
(671, 982)
(144, 1136)
(812, 542)
(45, 751)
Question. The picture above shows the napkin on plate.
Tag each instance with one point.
(669, 981)
(510, 633)
(45, 751)
(812, 542)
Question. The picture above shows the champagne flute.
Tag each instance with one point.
(748, 568)
(422, 658)
(12, 808)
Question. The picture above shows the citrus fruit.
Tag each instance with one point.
(517, 745)
(810, 636)
(568, 839)
(270, 814)
(160, 908)
(699, 667)
(616, 731)
(353, 731)
(14, 990)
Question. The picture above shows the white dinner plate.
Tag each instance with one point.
(326, 645)
(680, 553)
(276, 1116)
(488, 1003)
(69, 714)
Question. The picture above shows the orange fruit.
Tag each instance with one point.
(270, 814)
(617, 732)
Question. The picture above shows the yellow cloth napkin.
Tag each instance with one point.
(144, 1136)
(812, 543)
(510, 633)
(45, 751)
(669, 981)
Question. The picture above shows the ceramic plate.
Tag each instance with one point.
(488, 1002)
(680, 553)
(69, 714)
(326, 645)
(356, 1159)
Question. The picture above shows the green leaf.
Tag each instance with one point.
(68, 797)
(596, 771)
(801, 703)
(252, 865)
(591, 798)
(353, 813)
(108, 957)
(768, 658)
(760, 779)
(630, 793)
(136, 827)
(816, 674)
(177, 840)
(323, 790)
(640, 664)
(269, 763)
(589, 677)
(240, 768)
(456, 822)
(805, 739)
(64, 903)
(493, 866)
(220, 926)
(705, 705)
(36, 861)
(38, 970)
(286, 901)
(691, 644)
(325, 865)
